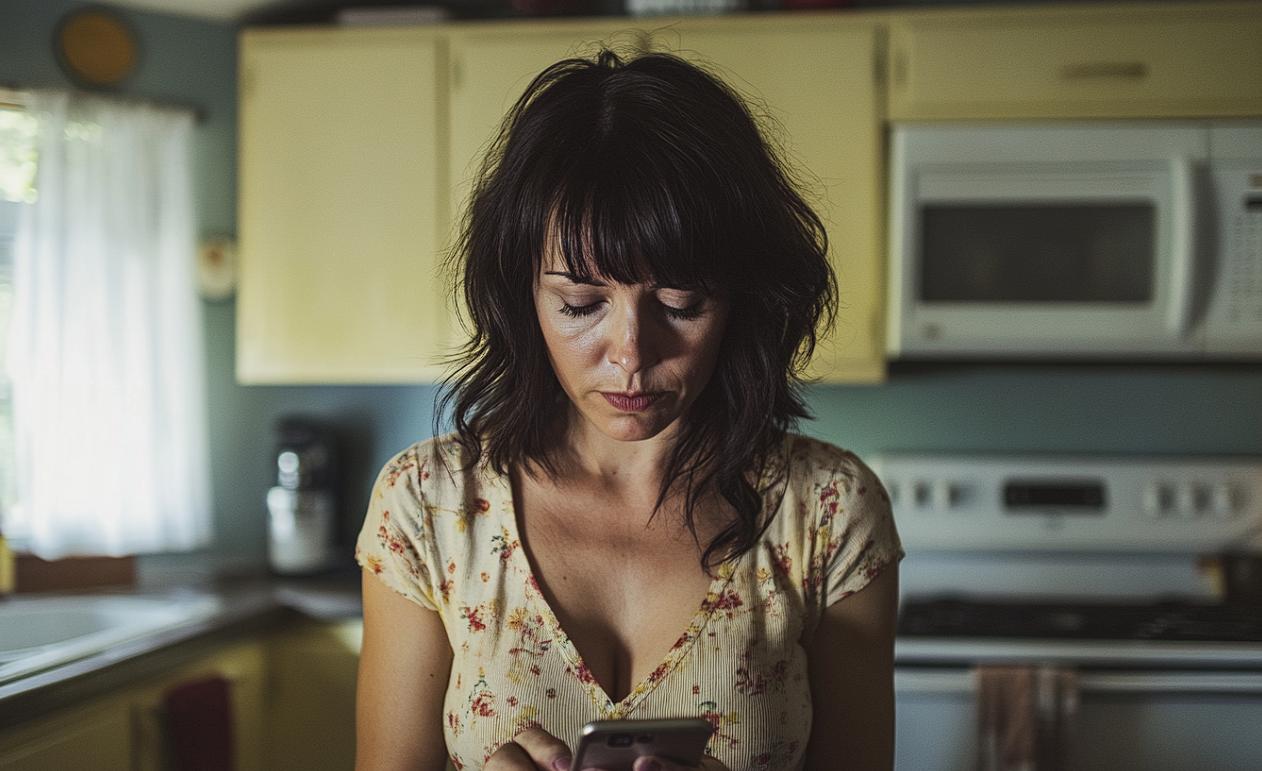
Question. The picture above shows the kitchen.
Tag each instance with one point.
(935, 407)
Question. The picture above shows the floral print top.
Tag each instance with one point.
(447, 539)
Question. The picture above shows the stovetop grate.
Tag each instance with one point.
(1175, 621)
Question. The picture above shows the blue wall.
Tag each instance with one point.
(973, 408)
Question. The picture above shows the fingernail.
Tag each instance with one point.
(648, 764)
(561, 764)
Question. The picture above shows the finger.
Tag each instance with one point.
(649, 763)
(544, 749)
(509, 757)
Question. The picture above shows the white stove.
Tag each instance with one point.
(1094, 564)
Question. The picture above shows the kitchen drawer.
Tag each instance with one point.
(1202, 59)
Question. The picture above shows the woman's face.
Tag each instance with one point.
(631, 357)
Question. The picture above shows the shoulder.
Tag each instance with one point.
(431, 465)
(813, 463)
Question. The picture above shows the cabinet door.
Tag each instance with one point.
(98, 737)
(1156, 61)
(491, 66)
(124, 730)
(311, 706)
(816, 75)
(341, 175)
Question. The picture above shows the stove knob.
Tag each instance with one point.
(1222, 501)
(1185, 500)
(1158, 499)
(945, 494)
(922, 495)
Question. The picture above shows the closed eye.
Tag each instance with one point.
(689, 313)
(578, 311)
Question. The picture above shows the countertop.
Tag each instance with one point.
(246, 608)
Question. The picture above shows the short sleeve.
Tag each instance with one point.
(867, 541)
(395, 543)
(851, 533)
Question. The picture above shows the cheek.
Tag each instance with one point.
(570, 345)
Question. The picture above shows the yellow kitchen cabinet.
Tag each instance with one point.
(97, 736)
(817, 77)
(1121, 61)
(492, 64)
(815, 74)
(123, 731)
(342, 206)
(312, 668)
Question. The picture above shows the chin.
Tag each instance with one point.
(634, 428)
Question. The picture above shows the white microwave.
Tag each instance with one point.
(1092, 240)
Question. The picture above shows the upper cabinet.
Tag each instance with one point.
(358, 146)
(814, 75)
(817, 78)
(491, 66)
(342, 206)
(1154, 60)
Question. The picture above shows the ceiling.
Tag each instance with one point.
(217, 10)
(297, 11)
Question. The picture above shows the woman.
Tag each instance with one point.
(622, 525)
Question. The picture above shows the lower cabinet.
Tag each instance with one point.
(124, 730)
(292, 695)
(310, 723)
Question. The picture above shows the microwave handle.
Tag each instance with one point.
(1186, 221)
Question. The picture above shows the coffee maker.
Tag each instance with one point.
(302, 506)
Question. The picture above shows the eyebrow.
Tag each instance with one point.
(574, 278)
(589, 281)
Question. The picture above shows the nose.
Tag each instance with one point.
(633, 343)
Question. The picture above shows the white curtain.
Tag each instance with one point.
(106, 357)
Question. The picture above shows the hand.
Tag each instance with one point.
(655, 764)
(531, 750)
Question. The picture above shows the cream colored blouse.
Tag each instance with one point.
(447, 539)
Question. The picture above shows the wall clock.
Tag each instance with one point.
(96, 47)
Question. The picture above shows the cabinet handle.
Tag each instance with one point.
(1103, 70)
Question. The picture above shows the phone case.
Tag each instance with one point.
(614, 745)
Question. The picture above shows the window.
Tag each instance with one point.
(17, 176)
(102, 445)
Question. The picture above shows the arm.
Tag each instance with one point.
(403, 671)
(852, 680)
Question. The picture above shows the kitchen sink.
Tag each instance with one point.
(37, 633)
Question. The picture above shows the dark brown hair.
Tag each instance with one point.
(649, 169)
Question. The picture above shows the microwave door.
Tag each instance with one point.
(1048, 261)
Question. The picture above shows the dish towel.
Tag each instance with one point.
(199, 725)
(1025, 717)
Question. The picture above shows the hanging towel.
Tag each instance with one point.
(1025, 717)
(199, 725)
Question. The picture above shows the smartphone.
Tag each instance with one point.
(613, 745)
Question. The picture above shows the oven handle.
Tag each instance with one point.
(918, 680)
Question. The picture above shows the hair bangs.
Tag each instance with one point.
(617, 220)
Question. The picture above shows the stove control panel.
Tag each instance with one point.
(1050, 502)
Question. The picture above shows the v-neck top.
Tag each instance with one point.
(445, 536)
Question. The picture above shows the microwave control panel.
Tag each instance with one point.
(1235, 314)
(1107, 503)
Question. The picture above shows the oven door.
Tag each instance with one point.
(1051, 242)
(1128, 719)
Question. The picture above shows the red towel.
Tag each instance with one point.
(199, 725)
(1025, 717)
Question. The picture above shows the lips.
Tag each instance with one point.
(631, 402)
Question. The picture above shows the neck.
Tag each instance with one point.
(589, 454)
